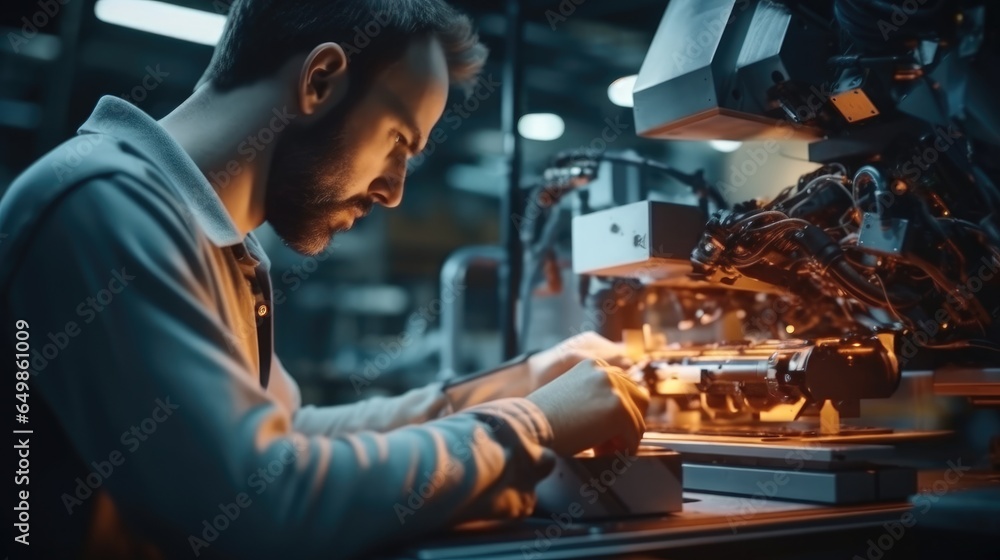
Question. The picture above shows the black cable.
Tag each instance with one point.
(978, 344)
(829, 254)
(702, 188)
(696, 180)
(856, 286)
(534, 257)
(772, 237)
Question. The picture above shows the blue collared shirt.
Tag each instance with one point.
(144, 305)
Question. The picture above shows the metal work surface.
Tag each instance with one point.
(787, 452)
(962, 520)
(706, 520)
(827, 487)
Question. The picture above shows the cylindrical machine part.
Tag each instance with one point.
(835, 369)
(856, 369)
(744, 372)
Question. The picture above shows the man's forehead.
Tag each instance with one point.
(416, 85)
(423, 60)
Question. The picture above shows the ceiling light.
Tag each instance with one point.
(725, 146)
(620, 91)
(543, 127)
(187, 24)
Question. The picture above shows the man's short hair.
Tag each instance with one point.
(262, 35)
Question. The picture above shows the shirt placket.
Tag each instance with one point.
(263, 308)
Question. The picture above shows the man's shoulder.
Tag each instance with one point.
(81, 160)
(107, 179)
(74, 162)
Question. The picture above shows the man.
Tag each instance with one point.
(170, 428)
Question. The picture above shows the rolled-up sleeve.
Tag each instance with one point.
(126, 269)
(379, 414)
(382, 414)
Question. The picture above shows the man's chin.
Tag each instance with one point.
(312, 247)
(317, 237)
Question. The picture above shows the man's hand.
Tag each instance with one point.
(548, 365)
(593, 405)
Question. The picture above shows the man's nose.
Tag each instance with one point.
(386, 194)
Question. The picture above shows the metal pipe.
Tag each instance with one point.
(453, 276)
(511, 201)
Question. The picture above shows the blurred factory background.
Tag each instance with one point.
(369, 309)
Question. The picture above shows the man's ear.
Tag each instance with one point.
(324, 79)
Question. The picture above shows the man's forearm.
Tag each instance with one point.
(510, 380)
(379, 414)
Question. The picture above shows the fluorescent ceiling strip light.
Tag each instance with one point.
(161, 18)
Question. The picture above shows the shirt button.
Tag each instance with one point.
(262, 311)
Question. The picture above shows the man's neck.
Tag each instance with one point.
(231, 138)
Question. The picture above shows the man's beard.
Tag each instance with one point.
(308, 181)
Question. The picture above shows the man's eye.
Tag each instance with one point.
(400, 139)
